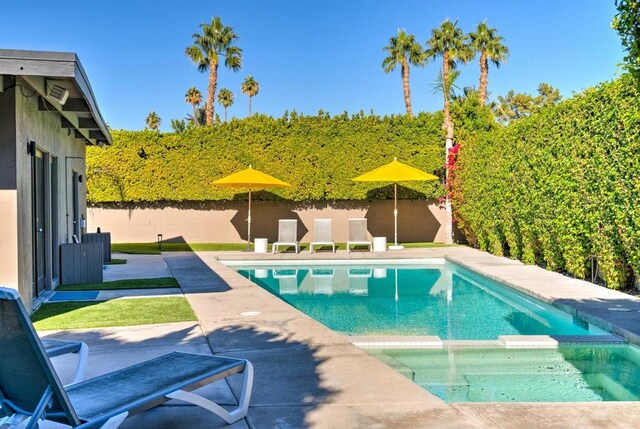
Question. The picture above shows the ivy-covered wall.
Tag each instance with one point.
(560, 186)
(318, 155)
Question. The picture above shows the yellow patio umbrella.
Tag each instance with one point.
(250, 179)
(395, 172)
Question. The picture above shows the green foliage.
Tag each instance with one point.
(178, 125)
(157, 283)
(153, 121)
(627, 24)
(520, 105)
(560, 185)
(116, 312)
(318, 155)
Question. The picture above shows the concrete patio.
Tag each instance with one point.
(308, 376)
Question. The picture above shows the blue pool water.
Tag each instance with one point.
(418, 299)
(575, 374)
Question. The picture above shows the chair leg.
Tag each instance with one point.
(115, 421)
(81, 366)
(228, 416)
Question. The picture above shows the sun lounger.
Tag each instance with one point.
(287, 235)
(322, 234)
(30, 389)
(358, 234)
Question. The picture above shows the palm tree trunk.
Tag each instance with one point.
(407, 89)
(225, 113)
(484, 80)
(447, 124)
(211, 94)
(196, 121)
(249, 105)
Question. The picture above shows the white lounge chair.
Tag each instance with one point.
(30, 389)
(322, 234)
(287, 235)
(358, 235)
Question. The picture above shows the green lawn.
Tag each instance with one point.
(120, 312)
(152, 248)
(162, 282)
(115, 261)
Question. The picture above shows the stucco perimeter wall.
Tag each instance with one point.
(418, 221)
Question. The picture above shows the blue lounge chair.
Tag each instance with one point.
(30, 389)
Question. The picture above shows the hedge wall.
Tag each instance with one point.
(561, 185)
(318, 155)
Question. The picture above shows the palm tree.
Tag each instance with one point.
(448, 42)
(216, 41)
(404, 50)
(225, 99)
(250, 87)
(194, 97)
(153, 121)
(490, 46)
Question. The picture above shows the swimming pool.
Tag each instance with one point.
(411, 298)
(568, 373)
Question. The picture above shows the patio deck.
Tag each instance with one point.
(308, 376)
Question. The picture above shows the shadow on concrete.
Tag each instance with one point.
(288, 385)
(110, 351)
(192, 273)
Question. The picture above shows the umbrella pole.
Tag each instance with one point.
(395, 219)
(249, 223)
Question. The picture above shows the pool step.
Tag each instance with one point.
(555, 341)
(384, 342)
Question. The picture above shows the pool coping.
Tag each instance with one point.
(474, 414)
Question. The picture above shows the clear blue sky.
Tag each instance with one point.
(307, 55)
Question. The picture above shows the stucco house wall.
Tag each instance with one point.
(30, 119)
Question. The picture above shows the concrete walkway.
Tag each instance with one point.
(307, 376)
(279, 323)
(137, 267)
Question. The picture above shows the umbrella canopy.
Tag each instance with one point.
(250, 179)
(395, 172)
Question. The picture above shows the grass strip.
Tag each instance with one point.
(159, 283)
(116, 262)
(117, 312)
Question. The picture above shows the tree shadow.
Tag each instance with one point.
(415, 222)
(264, 219)
(287, 385)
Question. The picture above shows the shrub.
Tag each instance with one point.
(318, 155)
(560, 185)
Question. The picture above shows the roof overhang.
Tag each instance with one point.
(41, 69)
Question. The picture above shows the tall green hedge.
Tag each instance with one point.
(319, 155)
(561, 185)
